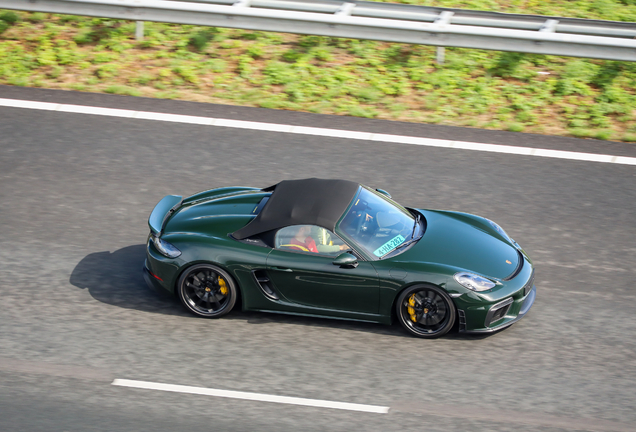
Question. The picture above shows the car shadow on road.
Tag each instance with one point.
(116, 278)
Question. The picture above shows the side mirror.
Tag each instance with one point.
(383, 192)
(346, 259)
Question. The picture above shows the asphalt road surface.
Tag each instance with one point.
(75, 314)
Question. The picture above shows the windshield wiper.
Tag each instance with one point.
(413, 240)
(415, 225)
(403, 245)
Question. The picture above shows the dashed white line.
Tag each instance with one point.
(325, 132)
(251, 396)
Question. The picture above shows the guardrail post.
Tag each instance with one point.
(549, 26)
(139, 31)
(443, 19)
(441, 52)
(345, 9)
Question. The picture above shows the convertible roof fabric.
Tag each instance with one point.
(301, 202)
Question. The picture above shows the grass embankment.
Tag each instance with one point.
(486, 89)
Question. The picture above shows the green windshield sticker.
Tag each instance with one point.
(389, 246)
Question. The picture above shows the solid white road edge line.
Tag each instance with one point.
(251, 396)
(325, 132)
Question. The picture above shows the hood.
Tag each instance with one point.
(466, 242)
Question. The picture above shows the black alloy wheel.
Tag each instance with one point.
(425, 311)
(207, 291)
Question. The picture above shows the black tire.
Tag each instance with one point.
(432, 311)
(207, 290)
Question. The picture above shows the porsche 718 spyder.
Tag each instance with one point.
(337, 249)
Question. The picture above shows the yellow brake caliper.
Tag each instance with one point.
(223, 286)
(410, 309)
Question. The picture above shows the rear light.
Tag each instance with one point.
(165, 248)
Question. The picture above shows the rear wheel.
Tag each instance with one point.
(425, 311)
(207, 291)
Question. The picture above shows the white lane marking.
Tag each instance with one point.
(325, 132)
(251, 396)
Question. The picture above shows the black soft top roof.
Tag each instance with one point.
(302, 202)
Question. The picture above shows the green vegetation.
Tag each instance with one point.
(487, 89)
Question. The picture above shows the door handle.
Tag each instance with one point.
(285, 269)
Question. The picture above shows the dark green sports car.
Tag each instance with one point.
(337, 249)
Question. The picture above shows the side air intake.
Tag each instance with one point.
(265, 284)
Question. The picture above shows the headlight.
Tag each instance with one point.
(500, 230)
(165, 248)
(473, 281)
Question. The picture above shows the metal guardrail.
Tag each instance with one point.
(372, 20)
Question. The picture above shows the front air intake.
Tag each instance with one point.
(498, 311)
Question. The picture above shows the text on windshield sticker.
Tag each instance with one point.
(390, 245)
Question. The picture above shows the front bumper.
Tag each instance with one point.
(491, 311)
(521, 307)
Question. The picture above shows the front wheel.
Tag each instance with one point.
(425, 311)
(207, 291)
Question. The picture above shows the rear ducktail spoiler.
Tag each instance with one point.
(162, 211)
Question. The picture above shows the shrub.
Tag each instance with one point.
(368, 94)
(250, 35)
(9, 17)
(187, 73)
(507, 64)
(216, 65)
(606, 74)
(292, 56)
(55, 72)
(323, 54)
(358, 111)
(200, 39)
(279, 73)
(107, 71)
(123, 90)
(255, 51)
(37, 17)
(143, 79)
(576, 77)
(603, 135)
(581, 132)
(309, 41)
(83, 38)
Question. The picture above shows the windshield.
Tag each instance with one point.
(377, 224)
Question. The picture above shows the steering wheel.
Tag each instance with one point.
(367, 227)
(360, 217)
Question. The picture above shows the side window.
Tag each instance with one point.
(309, 239)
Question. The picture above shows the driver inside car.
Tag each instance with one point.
(359, 221)
(302, 240)
(325, 243)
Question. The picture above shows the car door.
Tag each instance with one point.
(306, 275)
